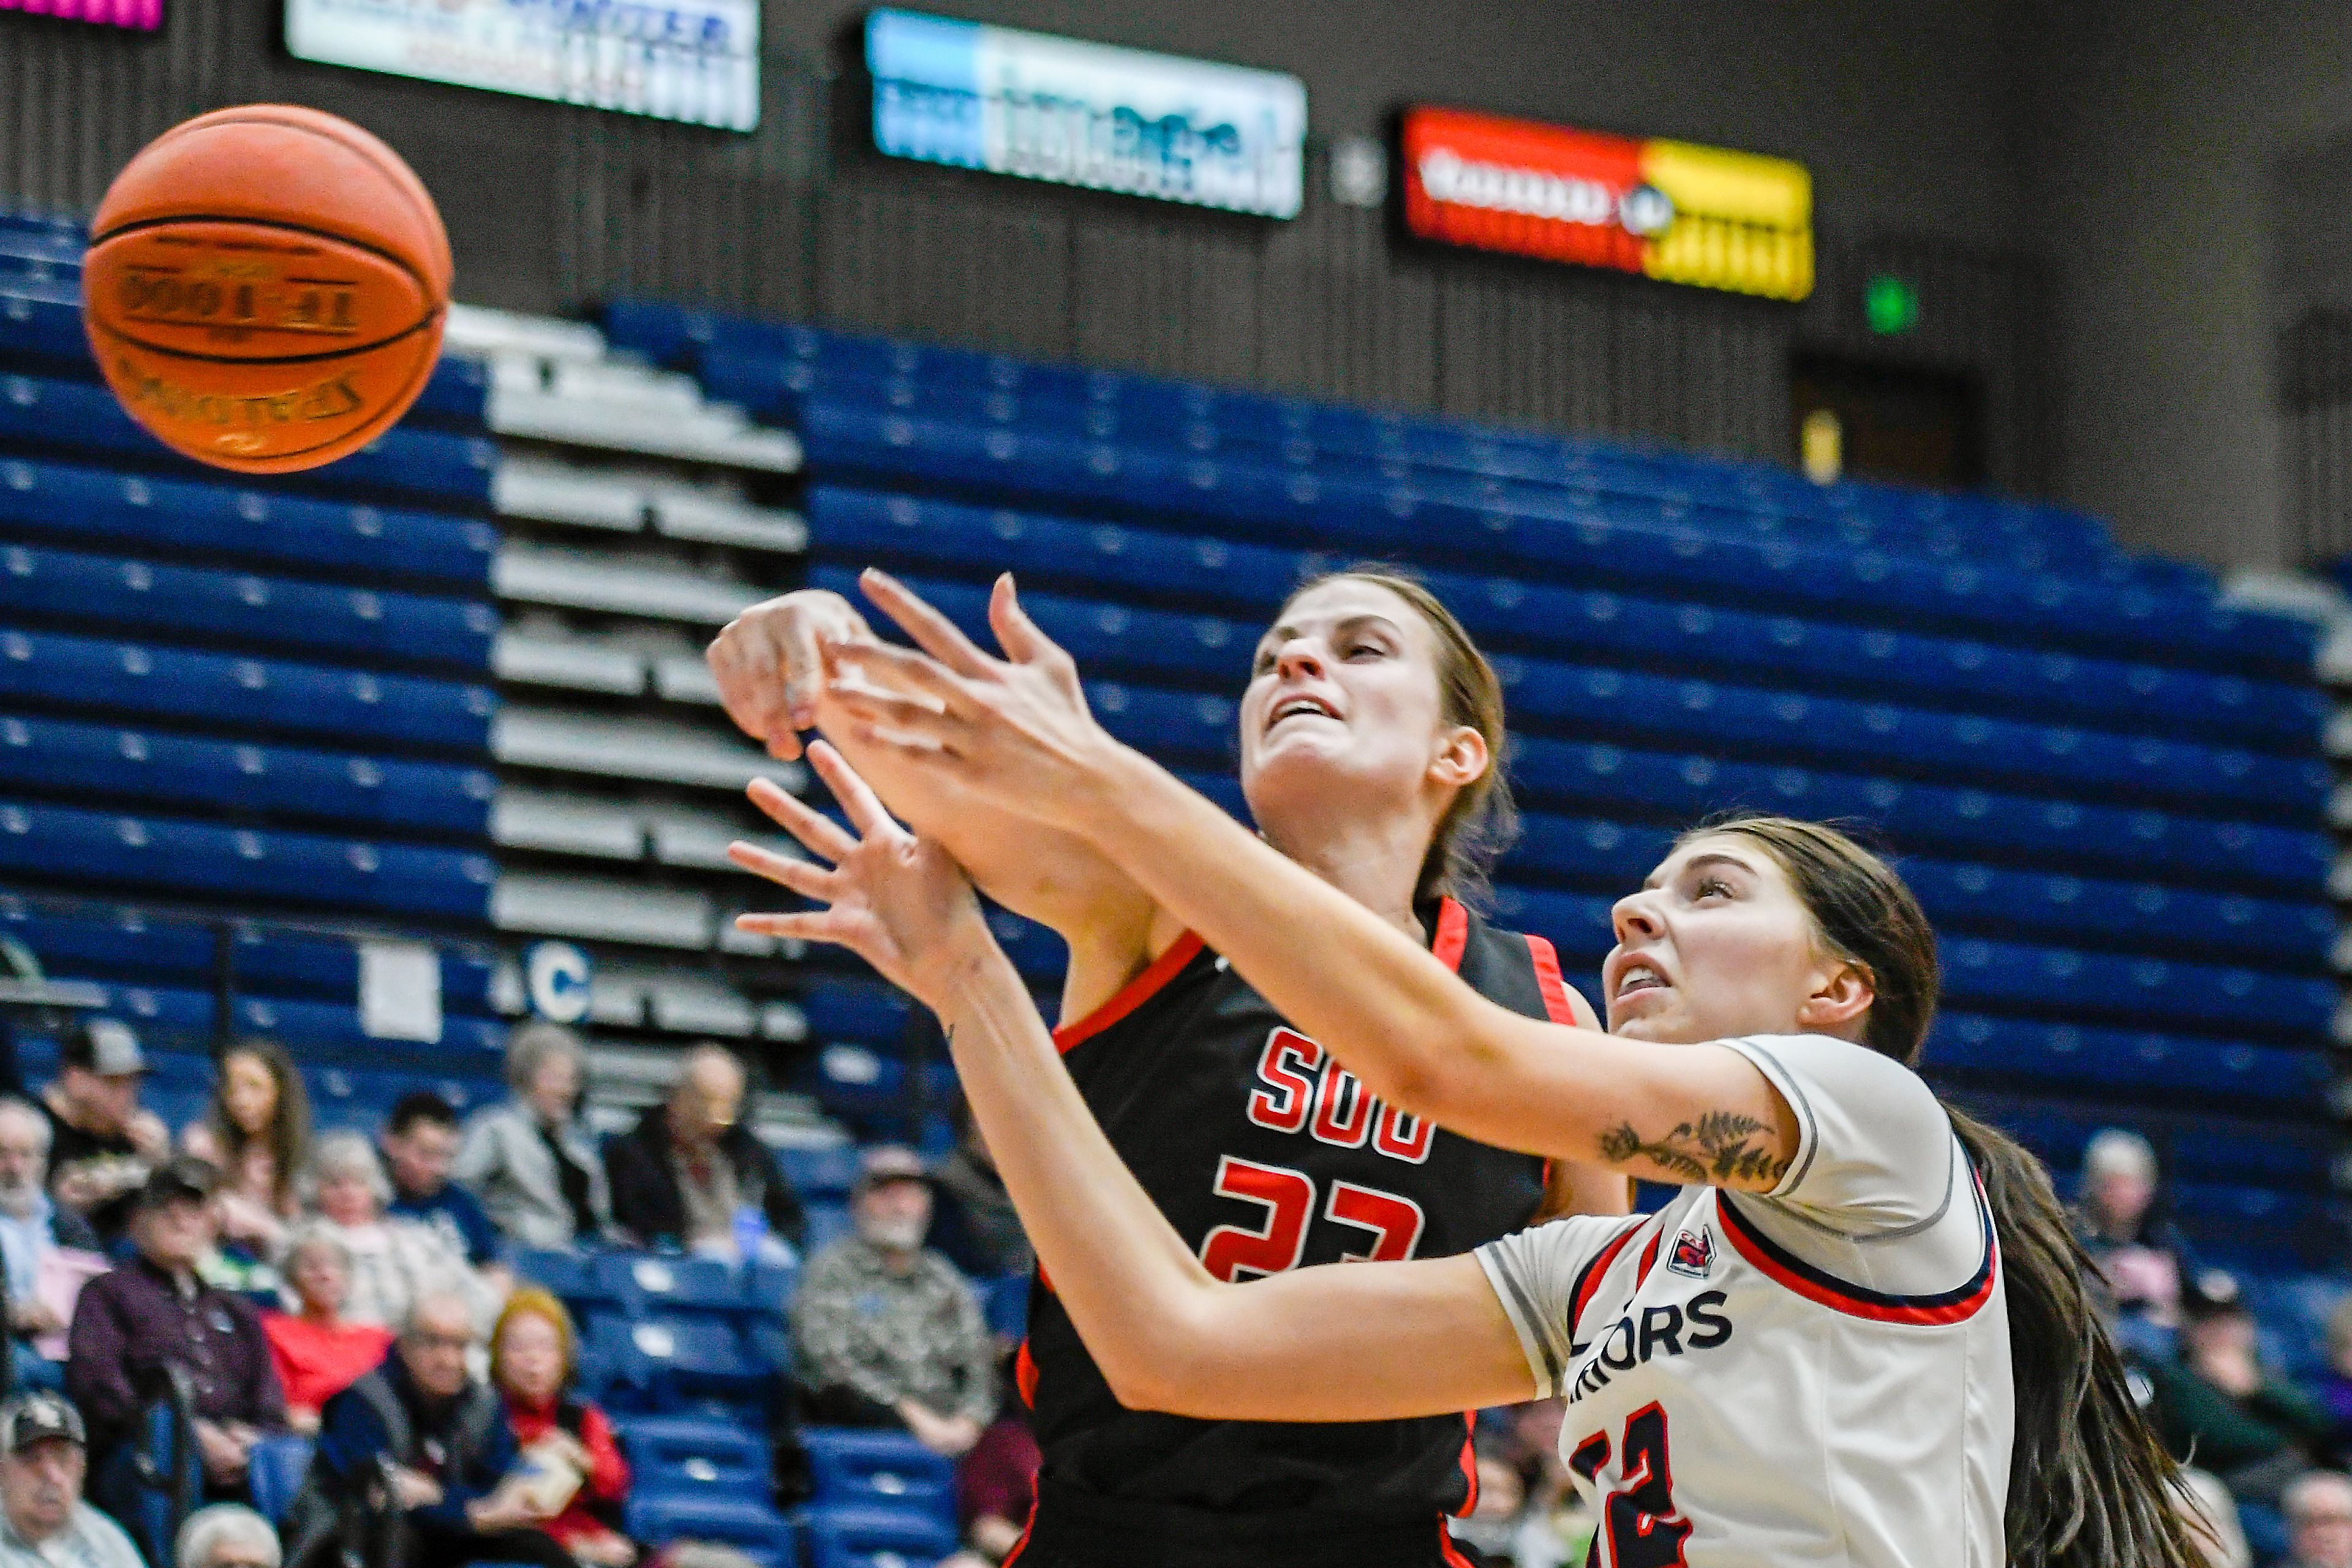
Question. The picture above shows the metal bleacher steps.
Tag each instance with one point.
(2110, 779)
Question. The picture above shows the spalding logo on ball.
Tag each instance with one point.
(266, 288)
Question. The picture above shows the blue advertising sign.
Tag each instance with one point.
(1077, 113)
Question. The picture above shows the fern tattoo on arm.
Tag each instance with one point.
(1717, 1147)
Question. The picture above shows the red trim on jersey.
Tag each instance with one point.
(1545, 958)
(1131, 995)
(1590, 1280)
(1027, 1529)
(1445, 1548)
(1452, 935)
(1952, 1306)
(1649, 1259)
(1469, 1464)
(1024, 1377)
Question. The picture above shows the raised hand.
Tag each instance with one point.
(768, 664)
(1014, 732)
(897, 901)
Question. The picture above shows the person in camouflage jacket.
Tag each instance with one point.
(888, 1334)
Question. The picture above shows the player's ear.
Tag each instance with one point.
(1460, 758)
(1838, 996)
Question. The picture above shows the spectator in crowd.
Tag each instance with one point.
(534, 1355)
(101, 1144)
(2215, 1402)
(974, 1224)
(691, 1175)
(420, 1146)
(43, 1524)
(392, 1261)
(317, 1351)
(256, 1133)
(888, 1334)
(226, 1535)
(996, 1485)
(423, 1426)
(528, 1159)
(155, 1313)
(2142, 1256)
(2318, 1508)
(32, 1226)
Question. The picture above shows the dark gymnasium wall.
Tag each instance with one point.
(1917, 119)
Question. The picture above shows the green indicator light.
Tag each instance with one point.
(1891, 305)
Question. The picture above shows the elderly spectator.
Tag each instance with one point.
(32, 1228)
(2218, 1404)
(257, 1135)
(101, 1144)
(226, 1535)
(2318, 1508)
(691, 1170)
(528, 1159)
(317, 1350)
(155, 1313)
(533, 1354)
(2142, 1257)
(393, 1261)
(421, 1425)
(973, 1224)
(43, 1524)
(890, 1334)
(420, 1146)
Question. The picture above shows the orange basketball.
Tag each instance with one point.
(266, 288)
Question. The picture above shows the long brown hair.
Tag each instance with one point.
(2089, 1484)
(1482, 820)
(289, 1132)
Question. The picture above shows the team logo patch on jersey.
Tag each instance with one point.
(1693, 1254)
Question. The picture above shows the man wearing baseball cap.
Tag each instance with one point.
(43, 1524)
(102, 1143)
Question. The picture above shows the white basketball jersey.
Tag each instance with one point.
(1816, 1376)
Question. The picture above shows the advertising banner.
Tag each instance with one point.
(1668, 210)
(1077, 113)
(144, 15)
(696, 61)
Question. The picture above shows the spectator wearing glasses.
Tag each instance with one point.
(155, 1313)
(32, 1228)
(529, 1160)
(43, 1524)
(2318, 1508)
(226, 1535)
(102, 1143)
(692, 1176)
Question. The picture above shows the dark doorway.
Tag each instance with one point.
(1912, 426)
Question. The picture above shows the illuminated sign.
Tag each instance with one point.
(1668, 210)
(144, 15)
(1087, 114)
(696, 61)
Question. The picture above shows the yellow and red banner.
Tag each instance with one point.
(1669, 210)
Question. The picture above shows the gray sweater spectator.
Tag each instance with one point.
(889, 1333)
(528, 1159)
(43, 1524)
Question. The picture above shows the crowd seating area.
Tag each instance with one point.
(2109, 786)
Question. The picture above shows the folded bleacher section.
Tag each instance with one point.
(2108, 785)
(244, 728)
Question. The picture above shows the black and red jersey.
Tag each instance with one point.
(1266, 1155)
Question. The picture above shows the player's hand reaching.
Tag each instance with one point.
(897, 901)
(770, 667)
(1014, 732)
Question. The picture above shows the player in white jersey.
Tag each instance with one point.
(1858, 1334)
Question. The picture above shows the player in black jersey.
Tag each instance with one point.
(1371, 738)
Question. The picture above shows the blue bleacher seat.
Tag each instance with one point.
(747, 1524)
(677, 1360)
(566, 1274)
(694, 1455)
(865, 1537)
(648, 1286)
(862, 1467)
(275, 1469)
(825, 1170)
(1006, 1303)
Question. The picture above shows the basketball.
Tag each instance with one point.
(266, 288)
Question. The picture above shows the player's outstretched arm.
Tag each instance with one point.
(1016, 732)
(1361, 1342)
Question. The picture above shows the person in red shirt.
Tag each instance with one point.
(318, 1354)
(533, 1353)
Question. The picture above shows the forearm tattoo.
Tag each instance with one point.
(1720, 1146)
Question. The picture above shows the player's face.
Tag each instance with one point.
(1343, 691)
(1717, 945)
